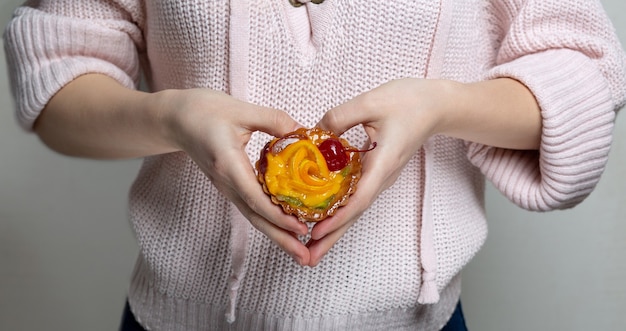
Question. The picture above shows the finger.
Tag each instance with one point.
(375, 178)
(248, 190)
(287, 241)
(351, 113)
(347, 214)
(272, 121)
(319, 248)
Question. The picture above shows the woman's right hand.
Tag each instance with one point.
(96, 117)
(214, 128)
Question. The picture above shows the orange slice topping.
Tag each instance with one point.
(300, 172)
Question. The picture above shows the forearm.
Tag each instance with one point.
(500, 112)
(96, 117)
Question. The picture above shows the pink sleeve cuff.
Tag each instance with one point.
(578, 113)
(45, 52)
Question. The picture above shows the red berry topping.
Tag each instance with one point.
(334, 154)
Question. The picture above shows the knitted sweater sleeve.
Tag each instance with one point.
(566, 52)
(50, 43)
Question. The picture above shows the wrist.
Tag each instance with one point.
(163, 119)
(450, 98)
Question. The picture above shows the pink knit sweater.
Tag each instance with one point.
(202, 265)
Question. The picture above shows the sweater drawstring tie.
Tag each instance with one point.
(429, 294)
(239, 32)
(239, 243)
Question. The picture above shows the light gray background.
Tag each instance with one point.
(67, 251)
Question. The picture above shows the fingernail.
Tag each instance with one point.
(298, 260)
(304, 230)
(317, 235)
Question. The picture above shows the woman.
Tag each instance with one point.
(520, 92)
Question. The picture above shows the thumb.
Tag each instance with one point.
(347, 115)
(272, 121)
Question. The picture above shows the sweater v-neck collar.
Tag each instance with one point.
(308, 25)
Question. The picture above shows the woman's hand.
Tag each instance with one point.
(96, 117)
(402, 114)
(214, 129)
(399, 117)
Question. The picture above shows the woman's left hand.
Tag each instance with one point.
(399, 116)
(402, 114)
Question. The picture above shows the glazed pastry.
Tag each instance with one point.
(309, 172)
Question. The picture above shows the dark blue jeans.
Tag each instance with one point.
(456, 322)
(129, 323)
